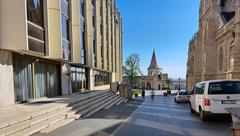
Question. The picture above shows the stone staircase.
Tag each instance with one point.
(60, 114)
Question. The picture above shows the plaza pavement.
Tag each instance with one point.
(163, 117)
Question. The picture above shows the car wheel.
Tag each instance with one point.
(191, 109)
(203, 116)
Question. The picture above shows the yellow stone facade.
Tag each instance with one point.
(14, 39)
(214, 50)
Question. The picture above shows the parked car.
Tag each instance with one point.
(213, 97)
(182, 96)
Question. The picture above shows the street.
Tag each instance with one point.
(162, 117)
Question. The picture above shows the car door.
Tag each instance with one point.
(193, 98)
(199, 95)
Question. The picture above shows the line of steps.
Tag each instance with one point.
(60, 115)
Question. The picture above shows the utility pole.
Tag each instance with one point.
(179, 84)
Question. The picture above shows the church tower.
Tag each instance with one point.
(154, 69)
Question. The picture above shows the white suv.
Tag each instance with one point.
(212, 97)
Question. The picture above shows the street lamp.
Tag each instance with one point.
(179, 87)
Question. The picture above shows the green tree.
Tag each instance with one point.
(169, 82)
(131, 68)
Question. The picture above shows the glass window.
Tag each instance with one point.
(183, 93)
(66, 50)
(35, 12)
(101, 78)
(35, 26)
(82, 32)
(64, 7)
(224, 87)
(65, 28)
(200, 88)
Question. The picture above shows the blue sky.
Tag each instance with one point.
(163, 25)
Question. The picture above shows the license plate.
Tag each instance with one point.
(228, 102)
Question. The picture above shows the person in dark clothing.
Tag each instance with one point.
(143, 93)
(152, 93)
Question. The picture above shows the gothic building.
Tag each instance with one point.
(214, 51)
(155, 79)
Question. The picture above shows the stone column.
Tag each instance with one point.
(66, 79)
(6, 78)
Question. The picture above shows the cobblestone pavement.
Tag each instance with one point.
(163, 117)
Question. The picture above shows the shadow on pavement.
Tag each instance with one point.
(122, 111)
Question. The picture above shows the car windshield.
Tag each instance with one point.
(224, 87)
(183, 93)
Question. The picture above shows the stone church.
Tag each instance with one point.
(214, 50)
(155, 79)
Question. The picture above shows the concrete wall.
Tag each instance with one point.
(6, 79)
(13, 25)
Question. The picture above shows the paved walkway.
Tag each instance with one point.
(163, 117)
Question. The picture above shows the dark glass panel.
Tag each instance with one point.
(65, 28)
(65, 7)
(35, 45)
(35, 32)
(35, 11)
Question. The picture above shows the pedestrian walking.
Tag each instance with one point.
(143, 93)
(152, 93)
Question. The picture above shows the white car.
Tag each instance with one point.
(213, 97)
(182, 96)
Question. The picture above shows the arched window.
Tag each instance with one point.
(227, 9)
(220, 59)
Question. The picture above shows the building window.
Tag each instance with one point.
(82, 32)
(101, 78)
(101, 32)
(107, 35)
(227, 9)
(221, 59)
(36, 39)
(94, 48)
(66, 49)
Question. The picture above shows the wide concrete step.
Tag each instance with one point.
(58, 125)
(32, 130)
(111, 102)
(84, 102)
(97, 107)
(85, 108)
(120, 101)
(93, 96)
(58, 115)
(43, 118)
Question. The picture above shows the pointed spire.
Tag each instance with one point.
(153, 64)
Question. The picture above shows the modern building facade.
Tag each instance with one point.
(214, 51)
(58, 47)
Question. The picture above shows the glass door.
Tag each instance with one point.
(78, 79)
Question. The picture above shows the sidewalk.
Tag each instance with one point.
(20, 112)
